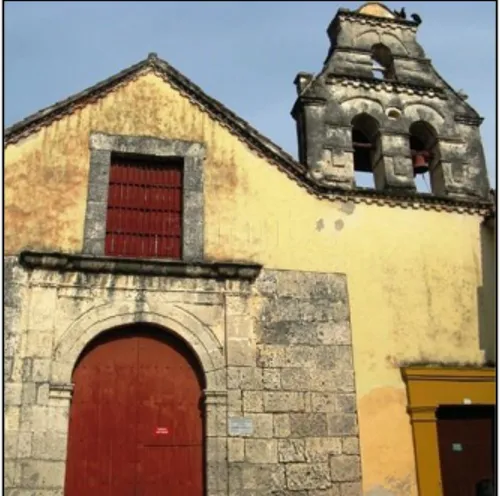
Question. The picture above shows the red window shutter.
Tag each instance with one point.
(144, 217)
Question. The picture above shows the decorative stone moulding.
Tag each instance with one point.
(389, 86)
(130, 266)
(393, 113)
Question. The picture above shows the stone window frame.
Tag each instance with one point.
(103, 145)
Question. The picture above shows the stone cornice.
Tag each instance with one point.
(455, 374)
(368, 51)
(62, 262)
(391, 86)
(469, 120)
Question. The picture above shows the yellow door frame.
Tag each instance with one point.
(428, 388)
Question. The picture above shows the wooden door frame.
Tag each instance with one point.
(428, 388)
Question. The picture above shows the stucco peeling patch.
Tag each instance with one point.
(339, 224)
(348, 208)
(386, 452)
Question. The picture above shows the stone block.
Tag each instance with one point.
(308, 424)
(324, 402)
(39, 344)
(17, 369)
(283, 401)
(251, 378)
(342, 425)
(29, 393)
(244, 378)
(13, 393)
(271, 379)
(334, 333)
(344, 381)
(241, 352)
(237, 305)
(263, 477)
(216, 448)
(331, 491)
(271, 356)
(301, 356)
(350, 445)
(287, 492)
(235, 449)
(351, 489)
(261, 450)
(58, 417)
(289, 333)
(262, 425)
(234, 377)
(7, 368)
(216, 379)
(234, 401)
(42, 394)
(12, 339)
(291, 450)
(296, 379)
(11, 474)
(12, 416)
(216, 421)
(323, 380)
(267, 282)
(346, 403)
(307, 476)
(49, 445)
(240, 326)
(27, 369)
(318, 449)
(24, 445)
(217, 477)
(345, 468)
(343, 357)
(39, 474)
(252, 402)
(34, 418)
(281, 425)
(10, 444)
(235, 476)
(42, 309)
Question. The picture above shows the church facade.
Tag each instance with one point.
(190, 309)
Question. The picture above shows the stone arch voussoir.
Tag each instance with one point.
(171, 318)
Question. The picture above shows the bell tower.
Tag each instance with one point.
(378, 105)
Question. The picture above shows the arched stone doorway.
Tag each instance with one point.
(136, 417)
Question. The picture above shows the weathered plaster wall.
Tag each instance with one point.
(277, 352)
(487, 293)
(413, 274)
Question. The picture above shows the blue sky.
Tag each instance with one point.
(245, 54)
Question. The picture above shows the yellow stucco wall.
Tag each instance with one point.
(413, 275)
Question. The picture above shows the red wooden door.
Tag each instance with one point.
(465, 435)
(135, 426)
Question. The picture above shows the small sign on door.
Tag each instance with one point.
(161, 431)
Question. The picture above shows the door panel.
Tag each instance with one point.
(465, 435)
(135, 421)
(165, 467)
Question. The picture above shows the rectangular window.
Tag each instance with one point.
(144, 212)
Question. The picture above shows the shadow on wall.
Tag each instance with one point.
(487, 292)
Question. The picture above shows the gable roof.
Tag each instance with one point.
(243, 130)
(236, 124)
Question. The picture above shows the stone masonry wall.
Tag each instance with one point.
(296, 384)
(280, 399)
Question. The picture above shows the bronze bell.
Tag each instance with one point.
(420, 163)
